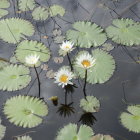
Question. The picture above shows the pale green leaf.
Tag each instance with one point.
(125, 32)
(86, 34)
(26, 48)
(25, 111)
(14, 77)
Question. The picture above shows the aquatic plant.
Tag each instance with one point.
(29, 48)
(25, 111)
(90, 104)
(101, 71)
(3, 5)
(11, 30)
(24, 138)
(56, 10)
(124, 31)
(14, 77)
(40, 13)
(64, 76)
(26, 5)
(71, 132)
(102, 137)
(2, 130)
(131, 118)
(86, 34)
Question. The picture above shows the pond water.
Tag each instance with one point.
(110, 94)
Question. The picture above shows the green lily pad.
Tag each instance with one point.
(101, 71)
(25, 111)
(125, 32)
(86, 34)
(14, 77)
(26, 48)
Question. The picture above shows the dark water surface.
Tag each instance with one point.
(110, 94)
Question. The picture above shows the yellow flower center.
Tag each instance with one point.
(86, 63)
(67, 47)
(63, 78)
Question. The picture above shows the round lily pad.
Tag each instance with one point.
(14, 77)
(25, 111)
(27, 48)
(101, 71)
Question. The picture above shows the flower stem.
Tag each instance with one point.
(84, 88)
(39, 89)
(69, 61)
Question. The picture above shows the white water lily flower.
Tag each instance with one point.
(85, 61)
(32, 59)
(67, 46)
(64, 76)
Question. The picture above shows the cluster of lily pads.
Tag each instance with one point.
(93, 65)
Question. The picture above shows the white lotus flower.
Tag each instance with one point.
(64, 76)
(85, 61)
(31, 59)
(67, 46)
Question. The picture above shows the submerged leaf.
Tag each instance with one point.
(11, 30)
(27, 48)
(107, 47)
(86, 34)
(57, 32)
(50, 74)
(14, 77)
(90, 104)
(59, 39)
(26, 5)
(131, 118)
(40, 13)
(25, 111)
(58, 60)
(71, 132)
(125, 32)
(56, 10)
(101, 71)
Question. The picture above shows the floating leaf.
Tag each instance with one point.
(4, 4)
(50, 74)
(59, 39)
(71, 132)
(26, 5)
(107, 47)
(90, 104)
(3, 13)
(14, 77)
(58, 60)
(24, 138)
(26, 48)
(40, 13)
(13, 59)
(125, 32)
(56, 10)
(2, 130)
(57, 32)
(101, 71)
(44, 67)
(131, 118)
(102, 137)
(86, 34)
(11, 30)
(25, 111)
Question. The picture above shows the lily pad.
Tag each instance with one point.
(86, 34)
(102, 70)
(14, 77)
(25, 111)
(26, 48)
